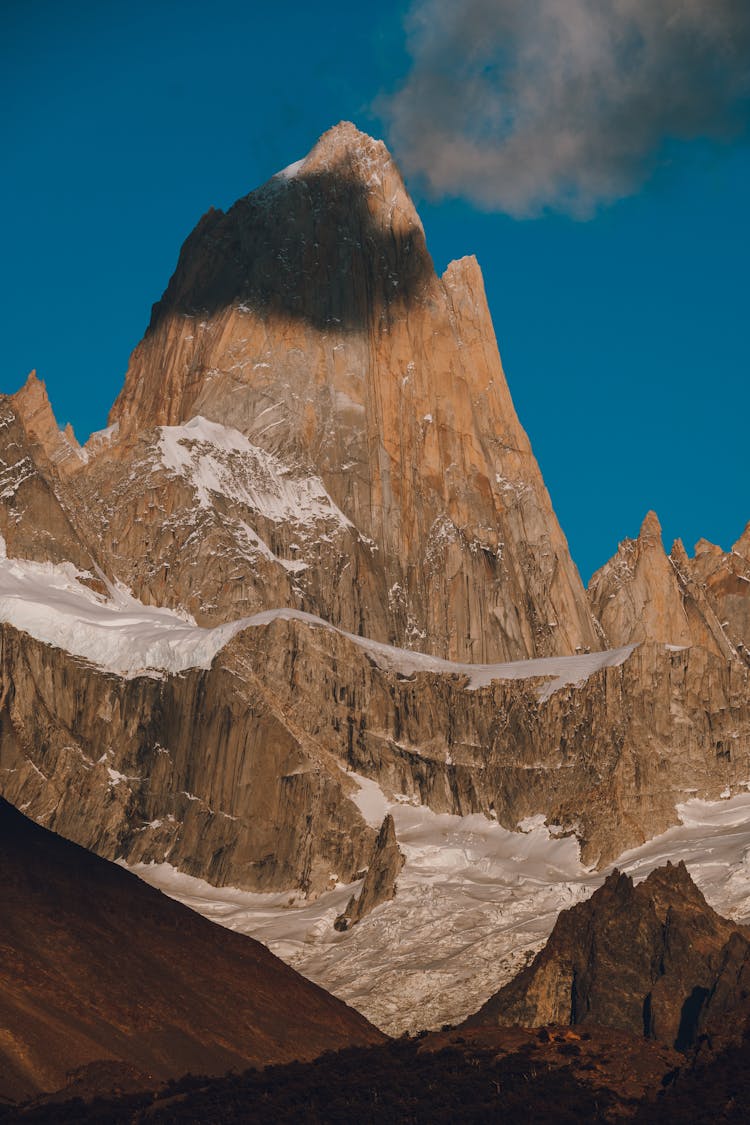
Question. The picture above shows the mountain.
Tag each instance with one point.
(363, 457)
(98, 968)
(309, 577)
(651, 959)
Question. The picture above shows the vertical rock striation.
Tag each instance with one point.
(380, 879)
(310, 318)
(644, 595)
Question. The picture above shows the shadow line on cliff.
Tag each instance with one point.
(307, 247)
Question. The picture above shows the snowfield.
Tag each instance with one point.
(474, 902)
(474, 899)
(219, 460)
(53, 603)
(118, 633)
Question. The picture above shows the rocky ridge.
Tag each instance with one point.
(651, 959)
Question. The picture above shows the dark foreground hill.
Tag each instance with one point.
(551, 1076)
(611, 1066)
(101, 974)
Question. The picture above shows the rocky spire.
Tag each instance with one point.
(380, 881)
(643, 595)
(310, 318)
(32, 405)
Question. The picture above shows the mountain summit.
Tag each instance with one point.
(310, 318)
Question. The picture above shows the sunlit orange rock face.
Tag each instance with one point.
(644, 594)
(310, 318)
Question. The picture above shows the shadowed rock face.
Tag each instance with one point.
(97, 966)
(652, 959)
(306, 247)
(380, 880)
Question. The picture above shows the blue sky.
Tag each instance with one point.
(624, 335)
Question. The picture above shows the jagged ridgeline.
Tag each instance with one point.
(312, 558)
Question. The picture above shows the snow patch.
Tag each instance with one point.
(116, 632)
(291, 170)
(474, 902)
(369, 799)
(120, 634)
(557, 671)
(217, 459)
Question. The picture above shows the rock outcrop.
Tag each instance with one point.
(652, 959)
(97, 967)
(310, 320)
(642, 594)
(380, 879)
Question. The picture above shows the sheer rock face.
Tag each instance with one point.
(380, 880)
(725, 576)
(239, 774)
(641, 594)
(643, 958)
(202, 769)
(309, 318)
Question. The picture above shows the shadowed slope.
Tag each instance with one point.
(95, 965)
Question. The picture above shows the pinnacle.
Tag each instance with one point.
(347, 136)
(33, 380)
(650, 528)
(678, 553)
(33, 394)
(673, 878)
(345, 144)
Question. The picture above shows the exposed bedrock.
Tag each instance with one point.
(238, 774)
(379, 884)
(652, 959)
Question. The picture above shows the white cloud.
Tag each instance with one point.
(522, 105)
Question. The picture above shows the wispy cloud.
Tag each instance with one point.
(523, 105)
